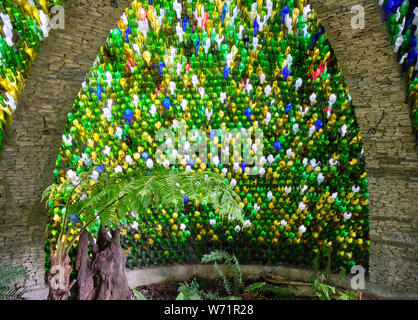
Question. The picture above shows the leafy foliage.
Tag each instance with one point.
(348, 295)
(322, 290)
(9, 276)
(212, 296)
(113, 195)
(266, 288)
(341, 276)
(189, 291)
(323, 287)
(138, 295)
(234, 270)
(315, 268)
(236, 286)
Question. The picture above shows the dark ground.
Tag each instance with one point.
(169, 291)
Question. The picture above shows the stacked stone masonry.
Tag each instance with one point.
(375, 83)
(376, 86)
(32, 143)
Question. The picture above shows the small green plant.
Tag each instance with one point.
(348, 295)
(236, 287)
(323, 287)
(138, 295)
(234, 270)
(316, 267)
(189, 291)
(322, 290)
(9, 277)
(266, 288)
(213, 296)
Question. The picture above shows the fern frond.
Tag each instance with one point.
(263, 288)
(237, 274)
(189, 291)
(47, 193)
(9, 276)
(255, 286)
(211, 296)
(217, 255)
(108, 201)
(138, 295)
(315, 267)
(233, 267)
(224, 278)
(341, 275)
(165, 188)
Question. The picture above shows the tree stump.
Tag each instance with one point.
(59, 278)
(85, 272)
(103, 277)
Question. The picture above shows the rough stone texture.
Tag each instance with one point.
(32, 143)
(375, 83)
(376, 86)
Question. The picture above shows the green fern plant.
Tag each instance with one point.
(138, 295)
(213, 296)
(266, 288)
(233, 282)
(323, 287)
(315, 268)
(234, 270)
(321, 282)
(9, 276)
(348, 295)
(189, 291)
(341, 275)
(322, 290)
(328, 251)
(107, 202)
(327, 274)
(112, 196)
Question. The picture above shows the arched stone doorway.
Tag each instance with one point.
(379, 92)
(30, 150)
(32, 143)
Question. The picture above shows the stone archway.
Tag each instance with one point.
(375, 83)
(32, 143)
(376, 86)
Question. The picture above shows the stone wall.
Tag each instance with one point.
(376, 86)
(32, 144)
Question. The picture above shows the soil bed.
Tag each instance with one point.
(169, 291)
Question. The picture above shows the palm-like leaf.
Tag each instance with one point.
(114, 195)
(141, 189)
